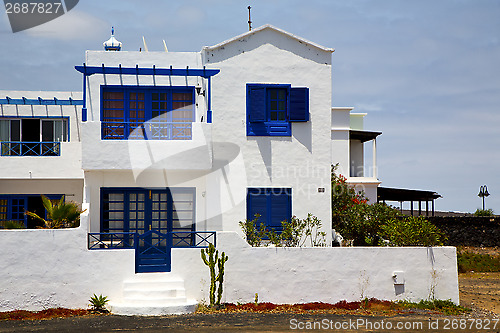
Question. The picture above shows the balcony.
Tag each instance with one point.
(28, 148)
(150, 130)
(156, 145)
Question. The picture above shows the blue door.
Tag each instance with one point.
(153, 215)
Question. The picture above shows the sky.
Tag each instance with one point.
(426, 72)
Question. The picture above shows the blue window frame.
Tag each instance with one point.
(271, 108)
(147, 113)
(29, 136)
(142, 209)
(13, 206)
(272, 204)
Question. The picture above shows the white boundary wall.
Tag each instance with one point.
(50, 268)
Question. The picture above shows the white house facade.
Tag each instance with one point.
(168, 151)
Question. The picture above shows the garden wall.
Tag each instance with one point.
(469, 230)
(42, 268)
(51, 268)
(298, 275)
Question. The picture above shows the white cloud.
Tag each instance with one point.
(74, 25)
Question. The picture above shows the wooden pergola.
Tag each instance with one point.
(402, 195)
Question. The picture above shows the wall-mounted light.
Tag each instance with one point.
(199, 91)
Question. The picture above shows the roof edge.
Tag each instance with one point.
(264, 27)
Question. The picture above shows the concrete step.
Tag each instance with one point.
(152, 310)
(156, 302)
(153, 294)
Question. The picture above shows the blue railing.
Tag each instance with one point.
(150, 130)
(129, 240)
(112, 240)
(33, 148)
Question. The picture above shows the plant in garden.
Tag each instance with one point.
(370, 225)
(211, 258)
(253, 234)
(59, 214)
(412, 231)
(98, 303)
(484, 212)
(294, 233)
(12, 225)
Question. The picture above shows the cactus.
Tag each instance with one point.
(211, 260)
(220, 276)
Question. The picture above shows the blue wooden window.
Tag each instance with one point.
(30, 136)
(147, 113)
(141, 209)
(272, 204)
(13, 206)
(272, 107)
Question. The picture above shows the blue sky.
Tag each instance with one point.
(427, 72)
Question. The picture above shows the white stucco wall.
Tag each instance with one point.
(301, 161)
(340, 152)
(71, 188)
(66, 274)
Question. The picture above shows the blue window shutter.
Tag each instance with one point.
(257, 204)
(299, 104)
(256, 103)
(280, 207)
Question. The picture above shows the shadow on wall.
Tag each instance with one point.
(302, 132)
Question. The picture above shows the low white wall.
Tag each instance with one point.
(51, 268)
(297, 275)
(43, 268)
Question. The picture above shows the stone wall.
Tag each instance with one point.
(469, 230)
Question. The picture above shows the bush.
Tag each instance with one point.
(468, 262)
(12, 225)
(353, 217)
(484, 212)
(295, 233)
(370, 225)
(412, 231)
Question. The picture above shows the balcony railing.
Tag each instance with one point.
(27, 148)
(150, 130)
(129, 240)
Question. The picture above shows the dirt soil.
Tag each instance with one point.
(480, 291)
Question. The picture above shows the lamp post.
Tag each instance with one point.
(483, 192)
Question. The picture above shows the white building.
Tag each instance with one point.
(166, 148)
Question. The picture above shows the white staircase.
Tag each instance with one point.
(153, 294)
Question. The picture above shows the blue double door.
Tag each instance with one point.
(155, 215)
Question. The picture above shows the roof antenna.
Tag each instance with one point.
(249, 19)
(145, 46)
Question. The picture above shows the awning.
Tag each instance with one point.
(363, 136)
(399, 194)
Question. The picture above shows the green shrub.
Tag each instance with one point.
(353, 217)
(468, 261)
(412, 231)
(296, 233)
(253, 233)
(98, 303)
(484, 212)
(446, 307)
(12, 225)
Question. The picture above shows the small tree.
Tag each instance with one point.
(59, 215)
